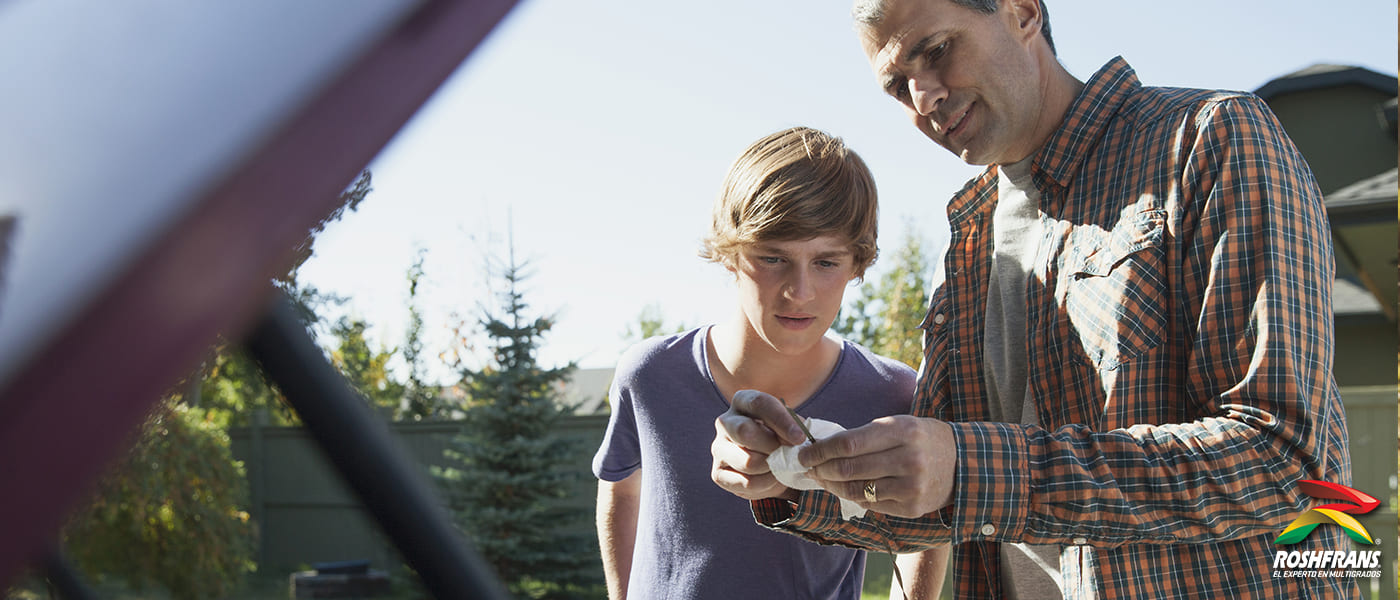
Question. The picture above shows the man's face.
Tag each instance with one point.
(968, 80)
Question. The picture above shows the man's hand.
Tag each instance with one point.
(755, 425)
(909, 463)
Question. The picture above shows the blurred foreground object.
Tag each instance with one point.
(160, 163)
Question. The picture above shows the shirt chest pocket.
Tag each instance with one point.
(1114, 292)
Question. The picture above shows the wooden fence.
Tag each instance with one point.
(306, 514)
(1372, 425)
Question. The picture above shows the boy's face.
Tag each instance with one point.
(791, 291)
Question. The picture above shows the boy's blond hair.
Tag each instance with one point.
(795, 184)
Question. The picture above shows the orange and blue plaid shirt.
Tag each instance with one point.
(1180, 346)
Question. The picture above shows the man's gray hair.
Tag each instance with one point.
(870, 13)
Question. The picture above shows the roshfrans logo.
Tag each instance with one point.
(1353, 502)
(1329, 563)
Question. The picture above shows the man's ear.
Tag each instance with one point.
(1025, 16)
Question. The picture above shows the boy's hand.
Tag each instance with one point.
(755, 425)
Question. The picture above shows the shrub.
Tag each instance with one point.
(170, 512)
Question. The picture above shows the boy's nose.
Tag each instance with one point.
(799, 287)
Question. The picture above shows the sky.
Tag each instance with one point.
(593, 137)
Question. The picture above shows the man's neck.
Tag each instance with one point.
(1058, 91)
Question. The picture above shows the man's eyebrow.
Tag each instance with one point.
(919, 47)
(888, 78)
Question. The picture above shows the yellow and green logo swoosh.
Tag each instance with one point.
(1353, 502)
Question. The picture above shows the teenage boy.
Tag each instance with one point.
(795, 224)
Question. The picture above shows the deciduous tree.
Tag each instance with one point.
(885, 316)
(171, 514)
(421, 399)
(365, 368)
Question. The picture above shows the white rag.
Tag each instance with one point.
(783, 463)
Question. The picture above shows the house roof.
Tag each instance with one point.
(1368, 200)
(1325, 76)
(1362, 216)
(587, 391)
(1352, 298)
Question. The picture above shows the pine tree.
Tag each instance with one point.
(507, 484)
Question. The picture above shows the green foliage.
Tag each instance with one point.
(420, 400)
(366, 369)
(231, 385)
(885, 316)
(234, 386)
(507, 486)
(651, 323)
(170, 514)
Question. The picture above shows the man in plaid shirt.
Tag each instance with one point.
(1128, 348)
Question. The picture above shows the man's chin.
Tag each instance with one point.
(973, 158)
(965, 154)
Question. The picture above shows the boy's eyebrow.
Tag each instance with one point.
(766, 249)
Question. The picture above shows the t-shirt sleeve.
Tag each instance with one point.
(620, 453)
(893, 382)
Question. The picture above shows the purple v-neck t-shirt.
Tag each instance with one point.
(695, 540)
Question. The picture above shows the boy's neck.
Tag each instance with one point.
(739, 360)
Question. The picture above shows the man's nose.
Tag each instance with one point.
(926, 92)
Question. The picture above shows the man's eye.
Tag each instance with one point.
(936, 52)
(898, 89)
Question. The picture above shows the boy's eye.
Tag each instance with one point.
(771, 260)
